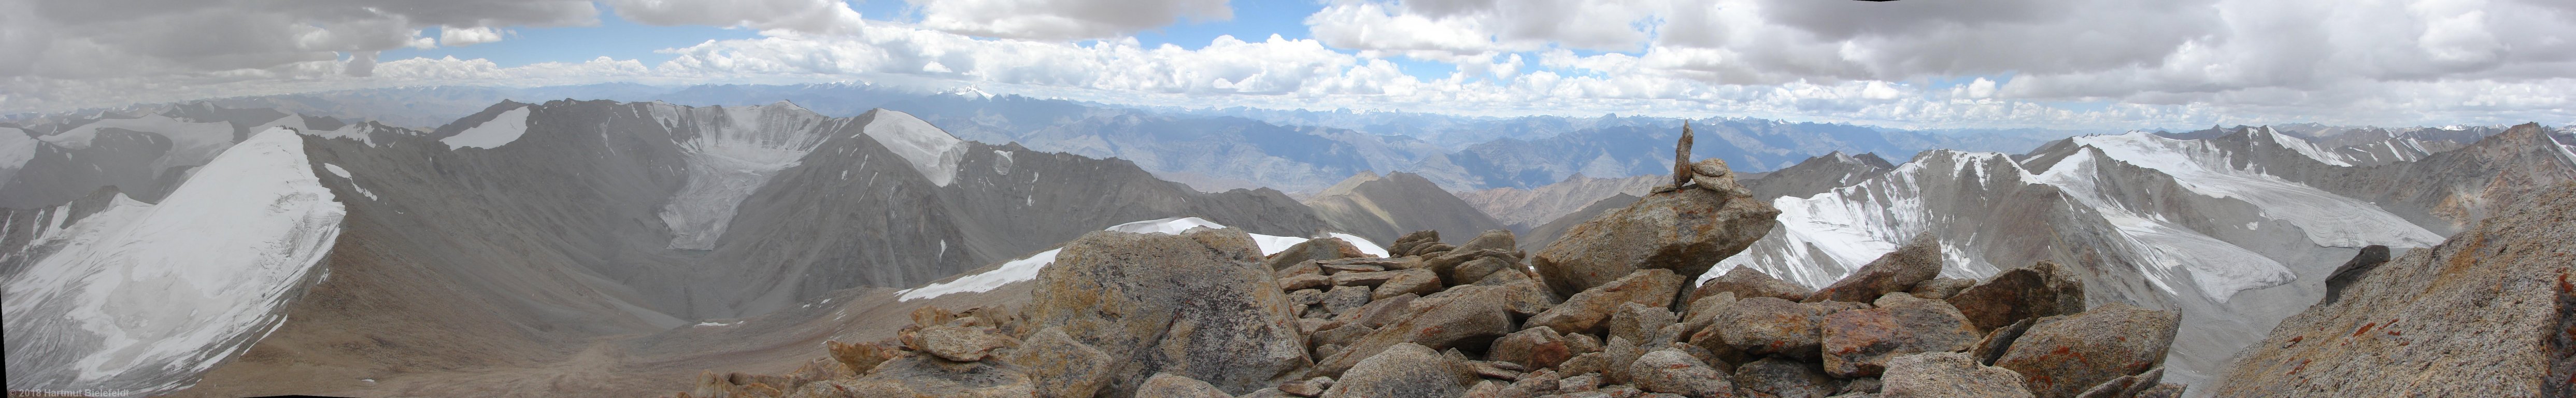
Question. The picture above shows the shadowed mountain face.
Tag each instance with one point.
(516, 233)
(1380, 208)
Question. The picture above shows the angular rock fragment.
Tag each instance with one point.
(2043, 289)
(1685, 231)
(1858, 343)
(1948, 375)
(1585, 311)
(1673, 372)
(1749, 283)
(1917, 261)
(1403, 370)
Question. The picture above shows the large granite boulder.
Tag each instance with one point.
(2066, 354)
(1683, 230)
(1586, 310)
(1749, 283)
(1948, 375)
(1917, 261)
(1859, 343)
(2489, 313)
(1769, 325)
(1404, 370)
(1199, 305)
(957, 343)
(2043, 289)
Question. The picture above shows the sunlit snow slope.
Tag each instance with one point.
(140, 298)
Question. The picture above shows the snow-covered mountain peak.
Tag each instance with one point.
(1027, 268)
(139, 299)
(931, 151)
(2197, 165)
(731, 152)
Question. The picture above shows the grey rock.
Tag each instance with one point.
(1750, 283)
(2125, 386)
(2043, 289)
(1470, 316)
(1784, 378)
(1685, 231)
(1379, 312)
(1412, 281)
(1313, 249)
(1674, 372)
(1941, 288)
(1585, 311)
(1197, 305)
(1917, 261)
(1345, 298)
(1948, 375)
(2064, 355)
(955, 343)
(1403, 370)
(1993, 346)
(926, 376)
(1308, 387)
(1769, 325)
(1638, 322)
(1061, 366)
(1175, 386)
(1305, 297)
(1535, 347)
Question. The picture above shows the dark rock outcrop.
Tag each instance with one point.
(1859, 342)
(2043, 289)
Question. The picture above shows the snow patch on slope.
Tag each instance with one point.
(142, 298)
(931, 151)
(1831, 234)
(353, 182)
(501, 130)
(1027, 268)
(16, 148)
(2303, 147)
(2329, 219)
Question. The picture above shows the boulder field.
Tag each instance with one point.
(1607, 311)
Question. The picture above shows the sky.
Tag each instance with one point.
(2077, 64)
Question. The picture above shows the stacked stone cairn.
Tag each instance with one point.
(1606, 311)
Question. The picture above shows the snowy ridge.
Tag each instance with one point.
(734, 151)
(1829, 235)
(141, 298)
(2219, 268)
(2329, 219)
(501, 130)
(931, 151)
(1027, 268)
(2303, 147)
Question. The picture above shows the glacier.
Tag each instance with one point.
(143, 298)
(733, 151)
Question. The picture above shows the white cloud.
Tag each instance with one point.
(800, 16)
(1063, 19)
(460, 37)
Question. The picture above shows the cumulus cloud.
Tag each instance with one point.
(1063, 19)
(800, 16)
(462, 36)
(89, 39)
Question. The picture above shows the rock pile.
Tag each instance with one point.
(1608, 311)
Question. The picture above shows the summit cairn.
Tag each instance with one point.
(1676, 228)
